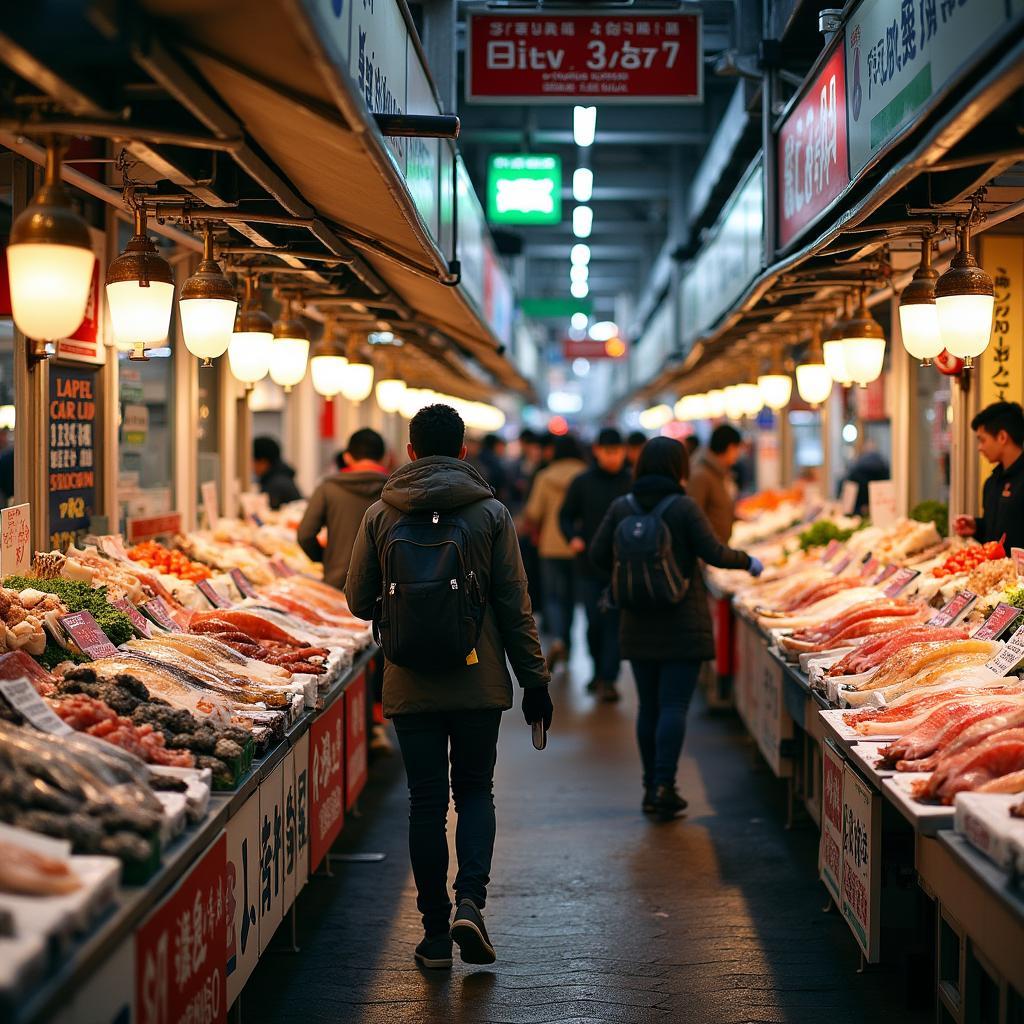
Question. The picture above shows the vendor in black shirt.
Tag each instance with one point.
(1000, 432)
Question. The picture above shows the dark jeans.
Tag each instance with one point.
(602, 629)
(426, 739)
(558, 576)
(665, 689)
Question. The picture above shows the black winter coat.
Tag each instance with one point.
(587, 501)
(680, 632)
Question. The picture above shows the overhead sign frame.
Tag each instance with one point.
(524, 188)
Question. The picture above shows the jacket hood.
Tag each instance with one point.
(365, 484)
(436, 483)
(649, 490)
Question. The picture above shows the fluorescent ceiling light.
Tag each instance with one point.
(579, 289)
(582, 221)
(580, 254)
(578, 273)
(584, 125)
(579, 321)
(582, 184)
(603, 330)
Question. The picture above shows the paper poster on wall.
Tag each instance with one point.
(15, 540)
(882, 503)
(242, 883)
(211, 504)
(71, 453)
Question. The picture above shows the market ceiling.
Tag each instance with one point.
(247, 121)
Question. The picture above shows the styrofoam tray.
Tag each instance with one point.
(22, 964)
(199, 782)
(985, 822)
(867, 753)
(815, 662)
(175, 815)
(926, 818)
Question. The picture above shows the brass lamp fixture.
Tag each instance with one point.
(357, 382)
(776, 386)
(965, 298)
(919, 315)
(249, 350)
(207, 305)
(290, 351)
(832, 347)
(813, 381)
(49, 262)
(327, 363)
(863, 345)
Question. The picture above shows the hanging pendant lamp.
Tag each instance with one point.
(327, 363)
(49, 261)
(289, 352)
(965, 297)
(776, 385)
(813, 381)
(140, 292)
(919, 314)
(715, 403)
(249, 350)
(390, 388)
(832, 348)
(863, 345)
(208, 306)
(357, 382)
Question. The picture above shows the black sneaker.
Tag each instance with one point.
(649, 805)
(609, 694)
(435, 951)
(594, 685)
(668, 804)
(469, 932)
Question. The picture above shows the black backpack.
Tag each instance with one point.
(646, 575)
(431, 611)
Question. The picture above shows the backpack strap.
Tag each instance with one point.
(634, 505)
(664, 505)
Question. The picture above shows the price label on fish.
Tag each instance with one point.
(830, 552)
(86, 632)
(1017, 554)
(244, 584)
(25, 699)
(1010, 656)
(842, 565)
(158, 611)
(953, 611)
(900, 580)
(139, 622)
(870, 567)
(1001, 619)
(210, 592)
(886, 572)
(848, 497)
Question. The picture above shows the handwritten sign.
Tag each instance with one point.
(15, 540)
(899, 581)
(71, 458)
(86, 632)
(953, 611)
(25, 699)
(830, 848)
(158, 611)
(882, 503)
(861, 883)
(243, 895)
(139, 621)
(1003, 616)
(244, 584)
(210, 592)
(848, 497)
(211, 504)
(1010, 656)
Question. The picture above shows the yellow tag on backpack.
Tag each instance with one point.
(471, 658)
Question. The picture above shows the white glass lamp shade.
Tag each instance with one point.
(49, 288)
(655, 417)
(249, 354)
(389, 393)
(683, 409)
(207, 325)
(813, 382)
(750, 396)
(357, 382)
(835, 361)
(919, 327)
(864, 358)
(776, 389)
(965, 323)
(411, 403)
(139, 316)
(735, 406)
(328, 374)
(288, 359)
(715, 403)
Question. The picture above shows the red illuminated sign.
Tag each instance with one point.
(813, 165)
(327, 781)
(614, 348)
(528, 57)
(355, 740)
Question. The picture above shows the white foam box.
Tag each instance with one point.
(867, 753)
(984, 820)
(199, 782)
(814, 663)
(23, 963)
(175, 818)
(845, 734)
(927, 818)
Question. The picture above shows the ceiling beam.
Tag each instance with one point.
(564, 137)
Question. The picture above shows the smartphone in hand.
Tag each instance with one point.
(540, 735)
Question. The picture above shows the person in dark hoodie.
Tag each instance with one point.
(666, 645)
(453, 713)
(276, 478)
(339, 503)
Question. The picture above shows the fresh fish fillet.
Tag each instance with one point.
(999, 755)
(877, 651)
(910, 710)
(992, 720)
(1013, 782)
(942, 726)
(862, 610)
(855, 631)
(258, 626)
(918, 657)
(818, 612)
(28, 873)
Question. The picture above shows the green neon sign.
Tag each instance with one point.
(524, 188)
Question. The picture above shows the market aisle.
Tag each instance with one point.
(597, 915)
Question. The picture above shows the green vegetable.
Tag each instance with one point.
(80, 597)
(931, 511)
(823, 532)
(1016, 597)
(53, 654)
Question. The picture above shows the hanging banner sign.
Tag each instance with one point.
(15, 540)
(72, 457)
(327, 782)
(524, 188)
(179, 951)
(813, 167)
(140, 528)
(861, 883)
(626, 57)
(902, 56)
(355, 740)
(830, 849)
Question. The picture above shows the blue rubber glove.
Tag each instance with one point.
(756, 566)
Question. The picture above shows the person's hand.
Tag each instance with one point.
(578, 545)
(965, 526)
(756, 566)
(537, 706)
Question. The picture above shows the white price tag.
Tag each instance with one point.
(1010, 656)
(211, 504)
(882, 503)
(24, 698)
(848, 497)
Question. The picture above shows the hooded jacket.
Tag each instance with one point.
(680, 632)
(712, 488)
(442, 484)
(545, 504)
(278, 484)
(338, 503)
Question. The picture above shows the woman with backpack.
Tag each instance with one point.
(651, 541)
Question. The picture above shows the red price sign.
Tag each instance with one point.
(139, 621)
(900, 581)
(86, 632)
(179, 951)
(158, 611)
(244, 584)
(1002, 617)
(210, 592)
(526, 57)
(148, 527)
(355, 740)
(326, 781)
(948, 614)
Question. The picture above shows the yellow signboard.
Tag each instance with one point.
(1000, 369)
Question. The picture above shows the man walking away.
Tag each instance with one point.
(634, 446)
(276, 478)
(339, 503)
(589, 497)
(443, 713)
(711, 484)
(493, 467)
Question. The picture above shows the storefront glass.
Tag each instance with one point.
(7, 414)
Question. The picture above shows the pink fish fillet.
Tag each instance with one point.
(875, 652)
(942, 726)
(995, 721)
(914, 711)
(998, 755)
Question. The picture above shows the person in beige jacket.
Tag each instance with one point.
(711, 485)
(557, 558)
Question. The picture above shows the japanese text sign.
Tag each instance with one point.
(355, 740)
(15, 540)
(326, 781)
(25, 699)
(158, 611)
(139, 621)
(86, 632)
(516, 57)
(271, 856)
(861, 882)
(1002, 618)
(830, 858)
(142, 528)
(1010, 656)
(179, 961)
(899, 581)
(813, 168)
(242, 895)
(954, 610)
